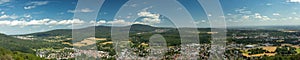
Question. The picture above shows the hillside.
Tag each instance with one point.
(100, 31)
(27, 46)
(14, 55)
(53, 32)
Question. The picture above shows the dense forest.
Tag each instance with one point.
(26, 46)
(16, 55)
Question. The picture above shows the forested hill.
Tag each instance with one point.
(100, 31)
(15, 55)
(15, 44)
(27, 46)
(104, 31)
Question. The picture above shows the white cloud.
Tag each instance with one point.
(265, 18)
(40, 22)
(29, 7)
(2, 12)
(257, 15)
(39, 3)
(276, 14)
(246, 17)
(16, 22)
(150, 18)
(74, 21)
(209, 15)
(85, 10)
(243, 11)
(27, 16)
(119, 22)
(5, 22)
(297, 1)
(116, 22)
(269, 4)
(261, 17)
(101, 22)
(4, 1)
(4, 16)
(249, 17)
(34, 4)
(8, 17)
(290, 18)
(52, 22)
(128, 17)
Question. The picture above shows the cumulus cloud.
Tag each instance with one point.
(116, 22)
(119, 22)
(8, 17)
(4, 1)
(297, 1)
(261, 17)
(243, 14)
(27, 16)
(101, 22)
(29, 7)
(2, 12)
(74, 21)
(150, 18)
(276, 14)
(209, 15)
(51, 22)
(5, 22)
(246, 17)
(257, 15)
(84, 10)
(34, 4)
(269, 4)
(40, 22)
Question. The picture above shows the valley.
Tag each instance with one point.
(241, 44)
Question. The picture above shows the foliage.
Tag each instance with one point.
(281, 57)
(15, 55)
(256, 51)
(286, 50)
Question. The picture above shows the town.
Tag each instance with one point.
(241, 44)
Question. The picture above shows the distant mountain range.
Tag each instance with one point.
(105, 31)
(284, 27)
(100, 31)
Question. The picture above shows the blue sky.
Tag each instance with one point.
(29, 16)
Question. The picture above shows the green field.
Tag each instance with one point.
(298, 50)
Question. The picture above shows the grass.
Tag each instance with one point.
(298, 50)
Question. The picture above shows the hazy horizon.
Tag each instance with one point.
(228, 27)
(23, 17)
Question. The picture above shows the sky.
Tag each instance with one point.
(30, 16)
